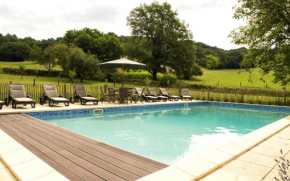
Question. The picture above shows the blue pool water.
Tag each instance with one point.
(169, 135)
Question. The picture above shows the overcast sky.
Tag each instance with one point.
(209, 20)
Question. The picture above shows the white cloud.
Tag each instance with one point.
(209, 20)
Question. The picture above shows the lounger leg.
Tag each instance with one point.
(50, 103)
(66, 103)
(13, 104)
(83, 102)
(1, 105)
(33, 105)
(96, 102)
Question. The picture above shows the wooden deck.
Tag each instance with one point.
(75, 156)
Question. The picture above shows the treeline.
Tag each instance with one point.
(16, 49)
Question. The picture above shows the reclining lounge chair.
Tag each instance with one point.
(81, 94)
(50, 94)
(152, 92)
(18, 96)
(170, 96)
(139, 94)
(185, 94)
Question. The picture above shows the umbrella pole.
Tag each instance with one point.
(123, 76)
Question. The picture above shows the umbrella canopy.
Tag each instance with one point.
(122, 63)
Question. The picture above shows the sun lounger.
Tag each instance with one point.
(185, 94)
(170, 96)
(139, 94)
(50, 94)
(81, 94)
(17, 95)
(152, 92)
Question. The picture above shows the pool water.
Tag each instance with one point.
(172, 135)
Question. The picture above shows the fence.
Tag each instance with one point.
(239, 95)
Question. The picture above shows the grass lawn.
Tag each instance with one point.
(27, 64)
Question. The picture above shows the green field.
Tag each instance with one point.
(224, 78)
(27, 64)
(233, 78)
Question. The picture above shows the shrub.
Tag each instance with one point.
(137, 75)
(167, 80)
(226, 98)
(147, 81)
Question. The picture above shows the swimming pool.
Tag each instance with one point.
(168, 134)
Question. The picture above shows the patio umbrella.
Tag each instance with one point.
(122, 63)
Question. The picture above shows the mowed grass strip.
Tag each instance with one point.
(6, 78)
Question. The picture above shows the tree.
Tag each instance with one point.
(21, 70)
(51, 56)
(157, 30)
(267, 34)
(71, 75)
(211, 61)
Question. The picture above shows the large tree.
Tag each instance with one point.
(157, 31)
(267, 34)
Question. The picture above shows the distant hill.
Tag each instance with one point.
(229, 59)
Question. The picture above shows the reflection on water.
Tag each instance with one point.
(170, 135)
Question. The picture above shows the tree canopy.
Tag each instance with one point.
(105, 46)
(161, 39)
(267, 34)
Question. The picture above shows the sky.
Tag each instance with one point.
(209, 20)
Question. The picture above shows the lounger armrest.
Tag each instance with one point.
(60, 95)
(28, 97)
(89, 96)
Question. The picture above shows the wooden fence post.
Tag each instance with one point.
(242, 96)
(64, 90)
